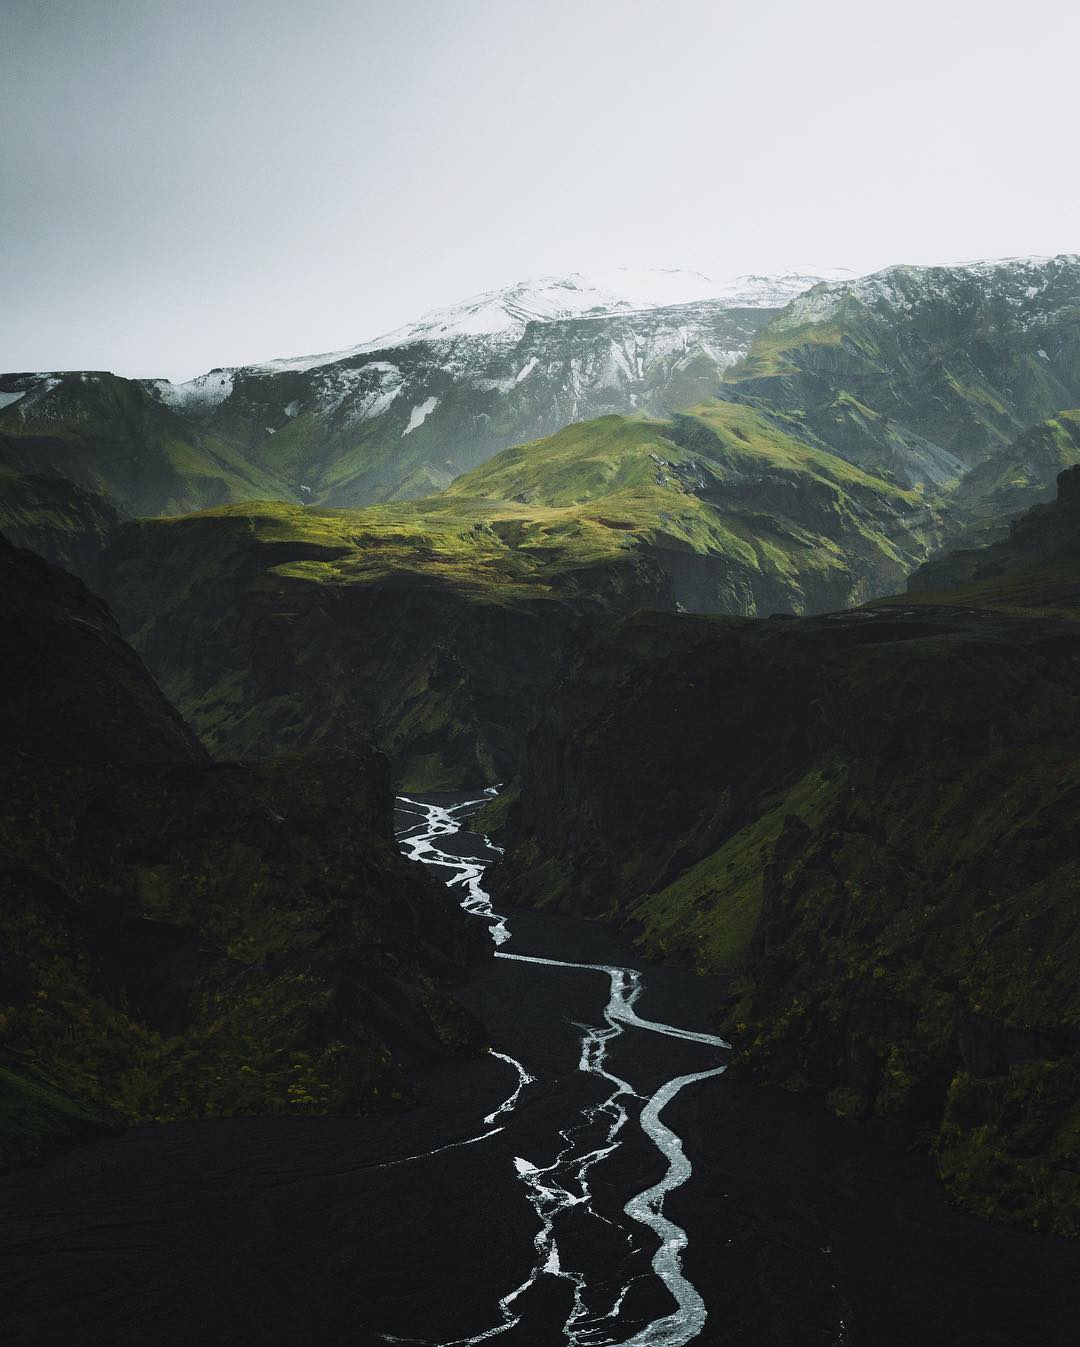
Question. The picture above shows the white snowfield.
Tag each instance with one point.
(497, 319)
(420, 414)
(505, 313)
(205, 391)
(31, 392)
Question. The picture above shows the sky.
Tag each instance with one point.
(185, 185)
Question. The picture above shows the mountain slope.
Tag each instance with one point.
(917, 373)
(1019, 476)
(1035, 568)
(403, 415)
(112, 437)
(866, 822)
(398, 417)
(435, 625)
(74, 691)
(61, 521)
(401, 421)
(742, 516)
(923, 371)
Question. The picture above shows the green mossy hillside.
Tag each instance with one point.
(435, 625)
(113, 437)
(921, 371)
(276, 626)
(1021, 475)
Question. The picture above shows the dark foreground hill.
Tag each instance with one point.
(182, 939)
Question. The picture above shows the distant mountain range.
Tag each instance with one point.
(915, 372)
(401, 416)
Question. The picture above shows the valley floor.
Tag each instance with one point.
(321, 1230)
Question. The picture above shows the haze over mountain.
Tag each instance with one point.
(262, 180)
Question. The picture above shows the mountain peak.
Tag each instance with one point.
(1015, 281)
(503, 314)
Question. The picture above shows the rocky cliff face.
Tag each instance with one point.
(865, 820)
(179, 939)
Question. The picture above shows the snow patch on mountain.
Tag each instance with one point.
(420, 414)
(498, 319)
(506, 313)
(202, 393)
(366, 391)
(31, 392)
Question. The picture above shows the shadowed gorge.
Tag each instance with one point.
(866, 822)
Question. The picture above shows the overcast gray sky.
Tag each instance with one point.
(219, 181)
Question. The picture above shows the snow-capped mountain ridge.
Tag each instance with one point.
(498, 318)
(939, 365)
(504, 314)
(1015, 281)
(400, 416)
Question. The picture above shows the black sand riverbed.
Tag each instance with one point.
(323, 1230)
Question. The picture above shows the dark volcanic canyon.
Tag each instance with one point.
(601, 871)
